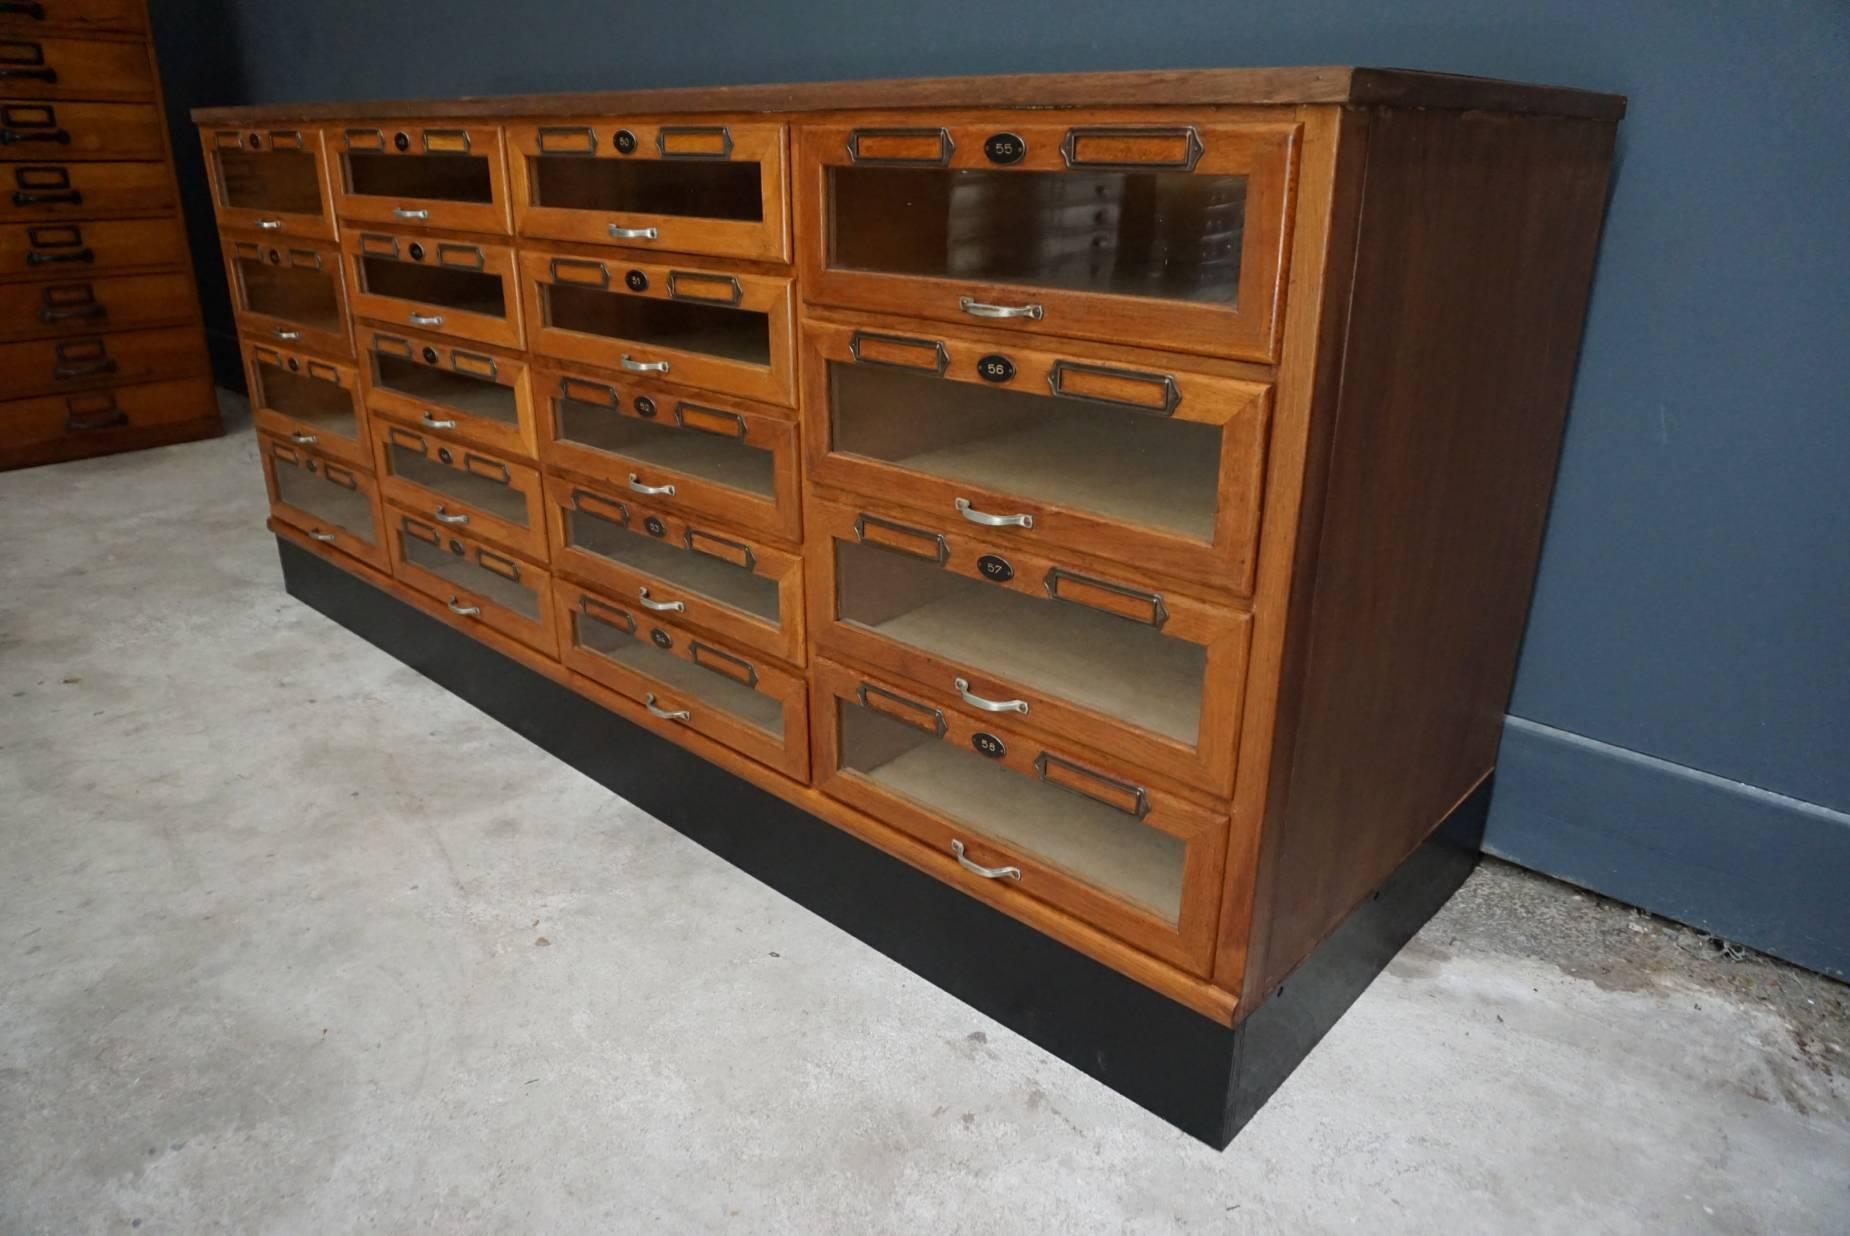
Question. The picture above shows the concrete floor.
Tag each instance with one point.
(293, 941)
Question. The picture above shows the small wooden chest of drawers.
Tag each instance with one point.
(1113, 496)
(101, 347)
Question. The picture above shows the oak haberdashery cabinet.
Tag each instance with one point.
(1074, 532)
(101, 345)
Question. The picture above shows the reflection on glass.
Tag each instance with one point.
(441, 178)
(327, 500)
(1092, 842)
(693, 188)
(715, 330)
(467, 291)
(472, 396)
(325, 406)
(291, 293)
(1165, 234)
(284, 181)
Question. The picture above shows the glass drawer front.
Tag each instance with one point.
(426, 384)
(312, 401)
(1149, 674)
(1136, 859)
(461, 488)
(475, 582)
(717, 330)
(484, 493)
(331, 496)
(1163, 234)
(1158, 468)
(727, 583)
(456, 288)
(434, 177)
(495, 579)
(295, 290)
(727, 462)
(715, 189)
(687, 679)
(454, 391)
(334, 505)
(270, 180)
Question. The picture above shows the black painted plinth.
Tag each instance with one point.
(1203, 1078)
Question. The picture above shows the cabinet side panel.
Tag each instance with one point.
(1473, 265)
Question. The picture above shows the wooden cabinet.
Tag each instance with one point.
(101, 348)
(1115, 496)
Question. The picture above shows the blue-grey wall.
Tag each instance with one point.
(1684, 696)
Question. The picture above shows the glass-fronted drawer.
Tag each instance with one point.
(270, 180)
(711, 457)
(100, 246)
(309, 402)
(456, 287)
(461, 487)
(450, 177)
(290, 291)
(1147, 465)
(1075, 652)
(56, 191)
(1078, 832)
(707, 578)
(683, 679)
(464, 393)
(331, 502)
(476, 582)
(1168, 235)
(87, 305)
(32, 130)
(716, 329)
(684, 188)
(45, 66)
(44, 366)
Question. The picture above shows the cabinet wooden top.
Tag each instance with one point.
(1179, 87)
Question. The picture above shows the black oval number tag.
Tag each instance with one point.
(1004, 148)
(995, 567)
(995, 367)
(988, 744)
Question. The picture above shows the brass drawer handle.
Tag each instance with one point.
(679, 714)
(991, 521)
(443, 516)
(633, 233)
(660, 607)
(977, 701)
(466, 611)
(980, 309)
(636, 366)
(406, 212)
(425, 319)
(431, 422)
(269, 225)
(637, 486)
(326, 538)
(303, 439)
(988, 873)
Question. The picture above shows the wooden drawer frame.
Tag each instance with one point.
(275, 452)
(357, 452)
(87, 304)
(540, 635)
(451, 512)
(271, 222)
(791, 691)
(651, 140)
(772, 295)
(493, 259)
(501, 368)
(87, 361)
(482, 140)
(1264, 151)
(90, 247)
(1240, 410)
(82, 18)
(1221, 629)
(53, 191)
(782, 639)
(52, 65)
(779, 517)
(309, 255)
(1189, 942)
(104, 414)
(69, 130)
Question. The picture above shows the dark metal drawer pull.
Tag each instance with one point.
(655, 710)
(988, 873)
(36, 258)
(89, 309)
(43, 75)
(69, 197)
(13, 9)
(1134, 801)
(924, 716)
(64, 372)
(13, 137)
(107, 416)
